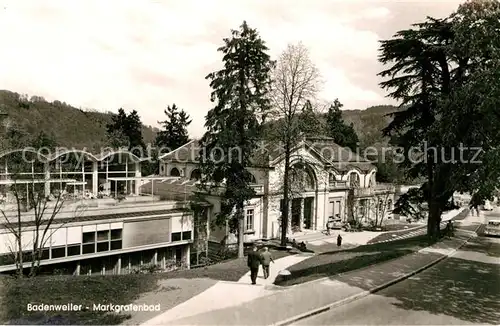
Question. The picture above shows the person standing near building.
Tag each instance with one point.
(267, 259)
(329, 225)
(254, 261)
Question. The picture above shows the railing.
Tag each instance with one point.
(377, 189)
(384, 187)
(338, 184)
(259, 189)
(362, 192)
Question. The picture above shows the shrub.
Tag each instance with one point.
(147, 269)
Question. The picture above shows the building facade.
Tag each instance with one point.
(324, 176)
(105, 225)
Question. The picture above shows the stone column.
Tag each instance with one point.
(108, 183)
(77, 269)
(119, 265)
(46, 169)
(342, 213)
(95, 178)
(126, 176)
(290, 215)
(302, 224)
(84, 185)
(314, 213)
(187, 256)
(138, 175)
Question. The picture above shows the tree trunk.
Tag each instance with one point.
(433, 220)
(20, 271)
(434, 211)
(35, 255)
(241, 231)
(437, 221)
(350, 206)
(286, 190)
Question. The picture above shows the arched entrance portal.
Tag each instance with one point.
(175, 172)
(303, 187)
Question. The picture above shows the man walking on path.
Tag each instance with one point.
(267, 258)
(254, 260)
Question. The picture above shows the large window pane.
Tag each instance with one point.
(89, 248)
(176, 236)
(102, 246)
(88, 237)
(116, 245)
(59, 252)
(45, 253)
(116, 234)
(102, 235)
(74, 250)
(7, 259)
(186, 235)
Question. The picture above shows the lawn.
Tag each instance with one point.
(392, 234)
(398, 227)
(84, 290)
(169, 289)
(336, 262)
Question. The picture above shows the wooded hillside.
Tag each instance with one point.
(67, 125)
(72, 127)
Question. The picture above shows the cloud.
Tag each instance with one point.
(145, 55)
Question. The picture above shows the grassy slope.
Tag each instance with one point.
(336, 262)
(15, 294)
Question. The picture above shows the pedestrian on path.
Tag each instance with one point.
(339, 240)
(329, 225)
(254, 261)
(267, 259)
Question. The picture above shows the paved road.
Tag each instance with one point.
(463, 289)
(413, 232)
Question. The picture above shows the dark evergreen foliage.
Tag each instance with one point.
(240, 96)
(125, 130)
(344, 134)
(174, 133)
(444, 73)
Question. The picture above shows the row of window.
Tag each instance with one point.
(174, 172)
(99, 241)
(92, 242)
(179, 236)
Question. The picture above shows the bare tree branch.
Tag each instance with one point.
(296, 82)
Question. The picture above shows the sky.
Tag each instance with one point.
(146, 55)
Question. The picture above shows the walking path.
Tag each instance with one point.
(417, 231)
(231, 297)
(355, 238)
(362, 238)
(285, 306)
(222, 294)
(274, 269)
